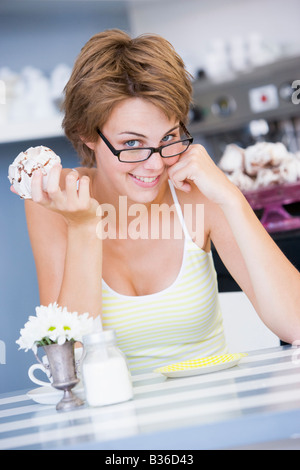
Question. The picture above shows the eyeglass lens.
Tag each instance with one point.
(139, 154)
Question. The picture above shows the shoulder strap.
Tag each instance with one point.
(179, 211)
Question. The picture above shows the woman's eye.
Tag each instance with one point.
(132, 143)
(168, 138)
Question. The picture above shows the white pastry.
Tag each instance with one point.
(22, 168)
(297, 155)
(267, 177)
(290, 170)
(232, 159)
(265, 154)
(279, 153)
(242, 181)
(256, 157)
(261, 165)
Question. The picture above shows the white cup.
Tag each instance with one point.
(45, 368)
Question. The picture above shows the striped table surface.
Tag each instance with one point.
(255, 403)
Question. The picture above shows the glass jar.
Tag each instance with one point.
(105, 374)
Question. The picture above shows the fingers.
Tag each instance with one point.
(77, 190)
(53, 187)
(71, 187)
(179, 175)
(189, 168)
(13, 190)
(84, 189)
(49, 193)
(183, 186)
(37, 192)
(74, 198)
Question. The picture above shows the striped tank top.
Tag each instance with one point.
(181, 322)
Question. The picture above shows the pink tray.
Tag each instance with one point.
(275, 218)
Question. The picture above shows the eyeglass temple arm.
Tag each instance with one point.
(185, 129)
(111, 148)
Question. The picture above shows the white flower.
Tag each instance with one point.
(53, 324)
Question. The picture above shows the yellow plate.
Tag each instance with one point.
(203, 365)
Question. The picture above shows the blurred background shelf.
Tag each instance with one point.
(25, 131)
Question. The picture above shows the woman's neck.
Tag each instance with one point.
(118, 211)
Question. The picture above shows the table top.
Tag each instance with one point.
(255, 404)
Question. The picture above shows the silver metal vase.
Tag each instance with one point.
(63, 372)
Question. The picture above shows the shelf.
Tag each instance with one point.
(271, 199)
(22, 131)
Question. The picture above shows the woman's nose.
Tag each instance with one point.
(155, 162)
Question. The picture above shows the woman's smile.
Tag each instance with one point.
(145, 181)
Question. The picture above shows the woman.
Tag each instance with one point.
(127, 100)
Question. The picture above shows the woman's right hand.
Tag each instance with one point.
(76, 206)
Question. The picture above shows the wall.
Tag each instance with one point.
(45, 33)
(41, 34)
(18, 283)
(191, 25)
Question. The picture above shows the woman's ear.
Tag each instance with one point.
(90, 145)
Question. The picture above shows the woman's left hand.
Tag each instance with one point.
(196, 166)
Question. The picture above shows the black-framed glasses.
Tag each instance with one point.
(140, 154)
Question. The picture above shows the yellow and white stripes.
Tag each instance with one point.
(178, 323)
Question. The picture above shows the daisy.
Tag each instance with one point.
(53, 324)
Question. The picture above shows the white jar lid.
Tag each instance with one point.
(104, 336)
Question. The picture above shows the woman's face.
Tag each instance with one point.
(135, 123)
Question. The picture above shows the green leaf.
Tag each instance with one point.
(45, 341)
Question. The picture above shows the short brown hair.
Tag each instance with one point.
(112, 67)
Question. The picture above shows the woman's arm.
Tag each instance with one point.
(81, 288)
(257, 264)
(271, 282)
(66, 249)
